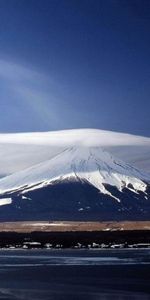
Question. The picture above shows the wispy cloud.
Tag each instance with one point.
(15, 72)
(32, 89)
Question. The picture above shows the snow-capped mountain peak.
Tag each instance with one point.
(91, 164)
(20, 151)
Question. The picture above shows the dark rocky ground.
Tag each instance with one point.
(76, 201)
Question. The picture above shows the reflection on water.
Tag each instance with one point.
(74, 274)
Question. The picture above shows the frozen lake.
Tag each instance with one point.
(75, 274)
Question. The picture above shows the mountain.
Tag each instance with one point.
(19, 151)
(77, 179)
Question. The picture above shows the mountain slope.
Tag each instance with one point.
(80, 183)
(23, 150)
(93, 165)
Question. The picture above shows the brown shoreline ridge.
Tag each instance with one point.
(71, 226)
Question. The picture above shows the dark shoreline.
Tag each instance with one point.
(71, 239)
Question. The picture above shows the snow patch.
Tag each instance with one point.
(26, 198)
(49, 224)
(5, 201)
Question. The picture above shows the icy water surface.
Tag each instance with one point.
(75, 274)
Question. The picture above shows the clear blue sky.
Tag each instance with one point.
(75, 63)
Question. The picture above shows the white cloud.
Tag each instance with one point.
(23, 150)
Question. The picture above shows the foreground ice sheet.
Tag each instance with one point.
(79, 274)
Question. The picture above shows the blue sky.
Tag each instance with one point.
(75, 63)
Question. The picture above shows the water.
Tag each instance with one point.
(75, 274)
